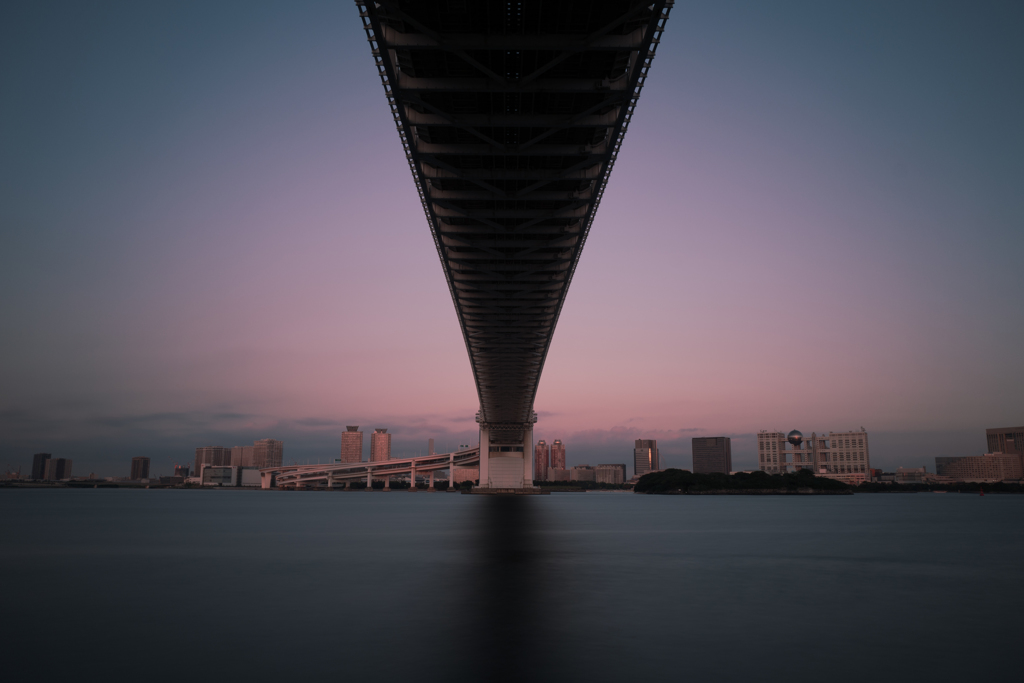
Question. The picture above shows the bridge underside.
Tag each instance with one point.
(511, 115)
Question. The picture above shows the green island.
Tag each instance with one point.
(673, 481)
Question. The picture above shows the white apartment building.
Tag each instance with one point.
(838, 455)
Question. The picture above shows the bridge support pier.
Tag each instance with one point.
(506, 456)
(412, 478)
(369, 479)
(387, 483)
(431, 487)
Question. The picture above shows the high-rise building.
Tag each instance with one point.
(380, 445)
(57, 469)
(645, 457)
(243, 456)
(557, 455)
(840, 455)
(712, 454)
(140, 468)
(39, 465)
(352, 445)
(217, 456)
(541, 460)
(181, 471)
(267, 453)
(430, 447)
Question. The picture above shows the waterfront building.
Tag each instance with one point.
(839, 455)
(380, 445)
(243, 456)
(351, 445)
(910, 475)
(712, 454)
(57, 469)
(541, 460)
(557, 455)
(267, 453)
(1006, 440)
(845, 456)
(645, 457)
(39, 465)
(462, 474)
(558, 474)
(212, 455)
(582, 473)
(988, 467)
(610, 474)
(229, 475)
(140, 468)
(181, 471)
(771, 450)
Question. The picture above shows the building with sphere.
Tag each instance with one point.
(837, 455)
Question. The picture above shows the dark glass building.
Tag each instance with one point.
(57, 469)
(39, 465)
(712, 454)
(140, 468)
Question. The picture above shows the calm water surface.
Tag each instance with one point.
(320, 586)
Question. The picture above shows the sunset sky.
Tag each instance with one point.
(209, 234)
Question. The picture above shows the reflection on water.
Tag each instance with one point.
(507, 601)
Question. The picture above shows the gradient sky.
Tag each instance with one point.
(209, 234)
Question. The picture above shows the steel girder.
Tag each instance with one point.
(511, 115)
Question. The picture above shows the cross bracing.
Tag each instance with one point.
(511, 115)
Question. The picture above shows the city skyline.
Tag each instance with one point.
(870, 194)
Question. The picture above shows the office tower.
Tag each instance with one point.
(771, 450)
(39, 465)
(712, 454)
(57, 469)
(1006, 440)
(840, 455)
(610, 474)
(181, 471)
(140, 468)
(557, 455)
(267, 453)
(541, 460)
(430, 447)
(645, 457)
(846, 457)
(380, 445)
(243, 456)
(352, 445)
